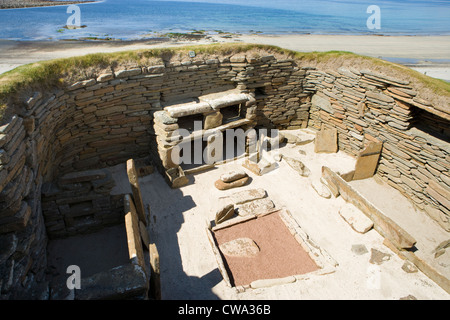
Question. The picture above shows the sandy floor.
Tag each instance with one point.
(188, 266)
(433, 48)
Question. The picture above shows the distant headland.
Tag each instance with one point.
(13, 4)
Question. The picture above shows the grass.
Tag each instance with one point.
(47, 74)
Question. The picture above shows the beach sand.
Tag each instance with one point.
(426, 54)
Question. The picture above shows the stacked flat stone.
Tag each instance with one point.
(368, 106)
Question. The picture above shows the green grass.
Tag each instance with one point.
(47, 74)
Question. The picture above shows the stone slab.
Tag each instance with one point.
(233, 175)
(355, 218)
(241, 248)
(322, 103)
(326, 141)
(246, 196)
(298, 166)
(256, 207)
(135, 249)
(135, 188)
(219, 184)
(367, 161)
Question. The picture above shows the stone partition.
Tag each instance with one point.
(107, 119)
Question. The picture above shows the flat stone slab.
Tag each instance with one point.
(246, 196)
(219, 184)
(326, 141)
(242, 248)
(367, 161)
(356, 218)
(233, 175)
(256, 207)
(298, 166)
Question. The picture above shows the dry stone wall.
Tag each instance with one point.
(367, 106)
(96, 123)
(109, 119)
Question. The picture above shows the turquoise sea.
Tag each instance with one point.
(138, 19)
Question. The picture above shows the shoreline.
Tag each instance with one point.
(426, 54)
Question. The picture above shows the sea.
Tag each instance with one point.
(145, 19)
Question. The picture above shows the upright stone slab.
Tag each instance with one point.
(137, 196)
(367, 161)
(326, 141)
(135, 249)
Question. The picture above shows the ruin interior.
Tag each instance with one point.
(88, 178)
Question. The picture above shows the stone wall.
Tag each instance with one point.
(100, 122)
(108, 119)
(364, 105)
(80, 202)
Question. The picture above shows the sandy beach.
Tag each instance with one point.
(426, 54)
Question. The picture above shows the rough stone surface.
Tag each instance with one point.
(224, 213)
(297, 137)
(246, 196)
(326, 141)
(233, 176)
(213, 120)
(219, 184)
(298, 166)
(256, 207)
(367, 161)
(355, 218)
(322, 102)
(242, 248)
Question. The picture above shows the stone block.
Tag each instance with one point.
(176, 177)
(213, 120)
(326, 141)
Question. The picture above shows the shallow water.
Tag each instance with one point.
(139, 19)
